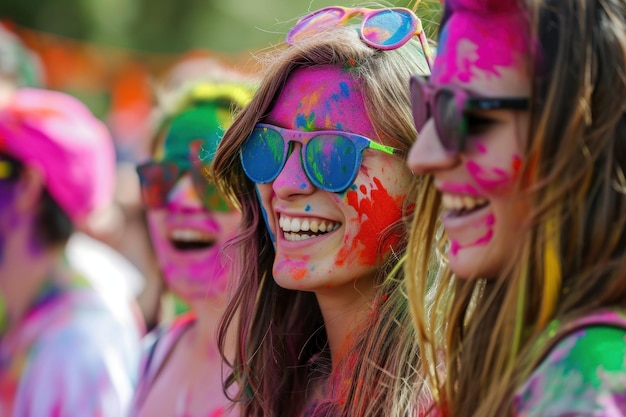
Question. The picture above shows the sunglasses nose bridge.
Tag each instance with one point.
(292, 178)
(183, 192)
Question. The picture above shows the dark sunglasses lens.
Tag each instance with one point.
(331, 162)
(156, 181)
(388, 28)
(314, 23)
(206, 190)
(449, 119)
(419, 106)
(263, 155)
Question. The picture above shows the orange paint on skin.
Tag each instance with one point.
(298, 274)
(373, 221)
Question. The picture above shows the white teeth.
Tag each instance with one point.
(292, 237)
(293, 225)
(188, 235)
(458, 202)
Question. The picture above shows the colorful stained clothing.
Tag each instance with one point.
(159, 345)
(69, 356)
(584, 374)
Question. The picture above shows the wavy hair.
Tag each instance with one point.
(281, 332)
(571, 258)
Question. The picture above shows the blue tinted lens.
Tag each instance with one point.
(389, 28)
(263, 155)
(331, 162)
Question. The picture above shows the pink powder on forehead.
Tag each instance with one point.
(317, 98)
(480, 41)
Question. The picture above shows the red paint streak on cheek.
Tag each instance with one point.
(516, 165)
(373, 221)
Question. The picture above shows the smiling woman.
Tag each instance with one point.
(189, 224)
(522, 128)
(316, 163)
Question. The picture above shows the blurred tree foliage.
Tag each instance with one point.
(175, 26)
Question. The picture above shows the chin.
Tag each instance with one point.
(472, 263)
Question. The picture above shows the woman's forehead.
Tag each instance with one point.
(319, 98)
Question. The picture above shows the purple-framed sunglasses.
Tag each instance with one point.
(385, 29)
(448, 105)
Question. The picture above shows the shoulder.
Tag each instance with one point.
(583, 374)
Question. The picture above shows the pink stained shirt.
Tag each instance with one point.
(70, 356)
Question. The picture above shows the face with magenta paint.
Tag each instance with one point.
(324, 239)
(485, 55)
(191, 222)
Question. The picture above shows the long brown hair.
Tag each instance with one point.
(281, 332)
(571, 259)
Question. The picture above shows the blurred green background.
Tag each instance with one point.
(111, 53)
(174, 26)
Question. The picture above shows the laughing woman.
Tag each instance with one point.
(316, 162)
(526, 143)
(189, 223)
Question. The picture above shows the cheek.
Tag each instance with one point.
(156, 226)
(494, 171)
(264, 193)
(374, 209)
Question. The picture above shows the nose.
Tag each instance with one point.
(292, 180)
(427, 155)
(184, 194)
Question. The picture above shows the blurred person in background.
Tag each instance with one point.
(63, 349)
(111, 273)
(189, 222)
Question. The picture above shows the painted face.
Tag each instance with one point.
(326, 240)
(187, 236)
(485, 54)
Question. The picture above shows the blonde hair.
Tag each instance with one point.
(571, 259)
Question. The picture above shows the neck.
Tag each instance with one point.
(344, 312)
(208, 314)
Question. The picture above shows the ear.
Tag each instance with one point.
(29, 189)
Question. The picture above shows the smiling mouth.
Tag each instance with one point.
(461, 205)
(298, 228)
(190, 240)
